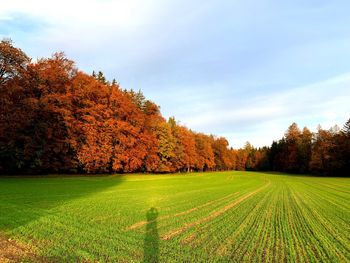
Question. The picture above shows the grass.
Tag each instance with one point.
(209, 217)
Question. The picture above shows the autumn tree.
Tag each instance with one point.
(204, 152)
(304, 150)
(166, 147)
(221, 152)
(178, 158)
(55, 118)
(152, 119)
(36, 100)
(13, 61)
(292, 139)
(188, 143)
(241, 159)
(320, 157)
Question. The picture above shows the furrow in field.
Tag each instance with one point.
(294, 219)
(268, 246)
(331, 236)
(308, 227)
(168, 225)
(330, 186)
(298, 243)
(329, 197)
(186, 198)
(325, 202)
(212, 234)
(338, 195)
(336, 210)
(281, 230)
(213, 215)
(247, 225)
(249, 238)
(290, 240)
(341, 186)
(177, 222)
(143, 223)
(284, 243)
(302, 237)
(263, 219)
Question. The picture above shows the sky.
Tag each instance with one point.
(242, 69)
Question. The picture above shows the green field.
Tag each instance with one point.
(229, 216)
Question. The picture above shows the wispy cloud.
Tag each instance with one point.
(15, 23)
(266, 117)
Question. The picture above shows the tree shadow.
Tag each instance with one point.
(151, 242)
(26, 199)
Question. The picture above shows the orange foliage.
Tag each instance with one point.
(55, 118)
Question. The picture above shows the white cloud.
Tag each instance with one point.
(265, 118)
(84, 13)
(215, 66)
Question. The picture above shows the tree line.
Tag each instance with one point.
(58, 119)
(325, 152)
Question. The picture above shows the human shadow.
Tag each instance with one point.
(151, 242)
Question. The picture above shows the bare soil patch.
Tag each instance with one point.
(13, 251)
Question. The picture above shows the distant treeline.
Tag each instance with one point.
(326, 152)
(57, 119)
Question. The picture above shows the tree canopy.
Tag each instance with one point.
(56, 118)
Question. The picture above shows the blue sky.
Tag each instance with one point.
(241, 69)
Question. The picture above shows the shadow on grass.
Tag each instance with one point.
(23, 200)
(151, 243)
